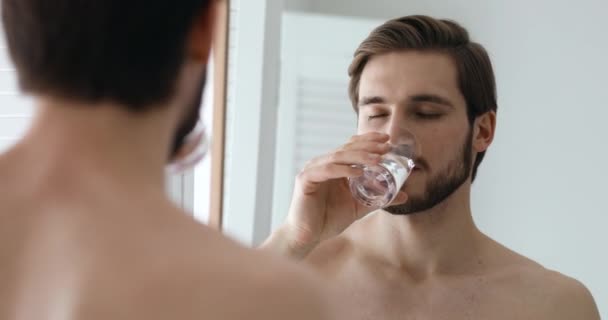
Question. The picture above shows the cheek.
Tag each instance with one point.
(439, 146)
(364, 126)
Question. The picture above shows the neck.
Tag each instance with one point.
(100, 143)
(442, 240)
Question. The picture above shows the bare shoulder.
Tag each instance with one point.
(197, 273)
(568, 297)
(540, 292)
(554, 295)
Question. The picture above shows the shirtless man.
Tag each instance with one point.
(86, 230)
(423, 257)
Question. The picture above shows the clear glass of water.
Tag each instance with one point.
(379, 185)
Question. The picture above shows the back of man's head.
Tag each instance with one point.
(127, 52)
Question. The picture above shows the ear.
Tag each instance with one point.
(485, 128)
(202, 32)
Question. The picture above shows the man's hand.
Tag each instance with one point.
(322, 205)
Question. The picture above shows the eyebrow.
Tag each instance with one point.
(432, 98)
(371, 100)
(426, 97)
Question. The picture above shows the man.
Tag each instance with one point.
(423, 258)
(86, 230)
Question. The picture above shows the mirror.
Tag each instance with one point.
(540, 188)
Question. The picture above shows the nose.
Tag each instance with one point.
(401, 133)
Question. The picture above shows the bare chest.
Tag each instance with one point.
(364, 295)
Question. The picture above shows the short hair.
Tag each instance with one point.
(124, 51)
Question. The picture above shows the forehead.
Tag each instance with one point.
(397, 75)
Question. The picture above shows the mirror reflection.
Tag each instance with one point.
(518, 85)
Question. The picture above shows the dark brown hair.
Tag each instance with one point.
(423, 33)
(125, 51)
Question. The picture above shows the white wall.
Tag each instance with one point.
(541, 188)
(380, 9)
(298, 5)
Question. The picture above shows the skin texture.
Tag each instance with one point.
(87, 232)
(428, 264)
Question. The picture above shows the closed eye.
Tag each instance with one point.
(428, 116)
(377, 116)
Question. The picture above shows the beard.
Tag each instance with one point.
(190, 119)
(441, 186)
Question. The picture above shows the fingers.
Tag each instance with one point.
(368, 146)
(350, 158)
(345, 162)
(310, 179)
(329, 171)
(374, 142)
(365, 149)
(370, 136)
